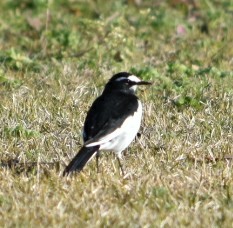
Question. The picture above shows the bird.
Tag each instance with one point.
(112, 121)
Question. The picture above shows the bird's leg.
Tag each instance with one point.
(121, 166)
(97, 161)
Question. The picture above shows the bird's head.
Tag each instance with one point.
(125, 81)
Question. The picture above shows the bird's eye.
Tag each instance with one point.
(127, 81)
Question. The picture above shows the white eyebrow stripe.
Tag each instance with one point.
(132, 78)
(121, 79)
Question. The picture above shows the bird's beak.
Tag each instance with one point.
(144, 83)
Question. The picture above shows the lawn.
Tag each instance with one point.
(55, 58)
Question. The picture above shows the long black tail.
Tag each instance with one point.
(80, 160)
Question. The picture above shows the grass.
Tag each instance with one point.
(56, 56)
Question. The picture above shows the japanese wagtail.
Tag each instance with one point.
(112, 122)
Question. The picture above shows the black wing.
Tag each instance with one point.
(108, 113)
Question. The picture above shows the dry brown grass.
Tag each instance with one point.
(179, 170)
(176, 171)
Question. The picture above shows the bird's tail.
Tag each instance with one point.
(80, 160)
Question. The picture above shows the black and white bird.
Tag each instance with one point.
(112, 121)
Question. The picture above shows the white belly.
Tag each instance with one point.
(128, 132)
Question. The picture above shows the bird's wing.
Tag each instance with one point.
(102, 137)
(106, 116)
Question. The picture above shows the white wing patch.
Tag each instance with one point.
(106, 138)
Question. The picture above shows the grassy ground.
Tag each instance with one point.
(55, 58)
